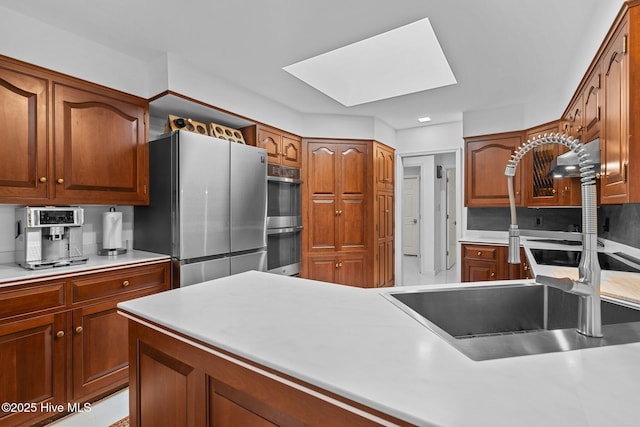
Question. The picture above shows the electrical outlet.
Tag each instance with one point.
(538, 222)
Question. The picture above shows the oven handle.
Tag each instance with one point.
(284, 230)
(284, 179)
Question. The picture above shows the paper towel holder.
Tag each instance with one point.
(110, 251)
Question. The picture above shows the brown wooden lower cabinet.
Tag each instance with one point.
(54, 351)
(348, 268)
(489, 262)
(175, 382)
(32, 359)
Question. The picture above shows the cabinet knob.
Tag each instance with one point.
(337, 265)
(60, 334)
(526, 267)
(553, 191)
(125, 283)
(60, 181)
(493, 274)
(43, 179)
(79, 330)
(479, 253)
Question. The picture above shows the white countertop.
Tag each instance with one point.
(12, 274)
(355, 343)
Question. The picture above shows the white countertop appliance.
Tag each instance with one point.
(49, 236)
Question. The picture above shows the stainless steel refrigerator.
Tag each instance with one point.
(208, 207)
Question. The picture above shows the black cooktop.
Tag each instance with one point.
(557, 257)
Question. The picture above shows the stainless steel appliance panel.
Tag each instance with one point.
(159, 214)
(198, 272)
(203, 196)
(248, 197)
(249, 261)
(284, 254)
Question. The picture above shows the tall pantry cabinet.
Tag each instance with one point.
(348, 236)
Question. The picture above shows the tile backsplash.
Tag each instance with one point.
(619, 223)
(91, 230)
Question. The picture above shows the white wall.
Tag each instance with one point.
(32, 41)
(429, 138)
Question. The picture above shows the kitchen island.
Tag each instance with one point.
(277, 350)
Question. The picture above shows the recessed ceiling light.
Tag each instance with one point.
(405, 60)
(424, 119)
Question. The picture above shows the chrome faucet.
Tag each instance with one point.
(587, 287)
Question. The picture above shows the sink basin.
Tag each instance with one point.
(492, 322)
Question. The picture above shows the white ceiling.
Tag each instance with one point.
(502, 52)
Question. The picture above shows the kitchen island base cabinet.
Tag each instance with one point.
(178, 382)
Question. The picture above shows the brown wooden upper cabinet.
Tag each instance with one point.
(384, 161)
(486, 158)
(614, 141)
(23, 134)
(542, 188)
(97, 153)
(282, 148)
(100, 148)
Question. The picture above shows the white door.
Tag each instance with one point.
(452, 240)
(411, 215)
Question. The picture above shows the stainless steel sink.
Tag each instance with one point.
(492, 322)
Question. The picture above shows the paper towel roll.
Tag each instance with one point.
(112, 230)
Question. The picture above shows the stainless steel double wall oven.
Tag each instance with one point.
(284, 220)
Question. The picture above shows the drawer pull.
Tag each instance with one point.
(125, 283)
(479, 253)
(79, 330)
(60, 334)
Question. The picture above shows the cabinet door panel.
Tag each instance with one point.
(32, 364)
(322, 167)
(389, 277)
(352, 224)
(322, 224)
(353, 270)
(479, 271)
(100, 145)
(291, 154)
(270, 141)
(592, 106)
(23, 136)
(323, 269)
(100, 354)
(485, 182)
(352, 176)
(614, 186)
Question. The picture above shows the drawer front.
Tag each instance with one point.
(489, 253)
(33, 298)
(106, 285)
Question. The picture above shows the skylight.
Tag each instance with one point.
(399, 62)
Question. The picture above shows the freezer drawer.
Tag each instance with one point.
(198, 272)
(247, 262)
